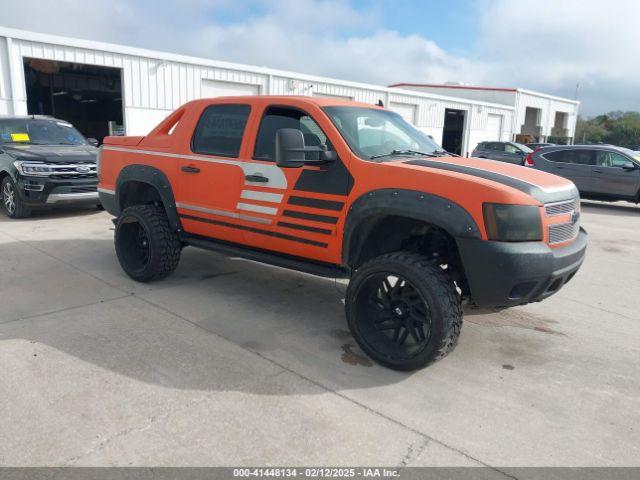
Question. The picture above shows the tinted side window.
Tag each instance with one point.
(581, 157)
(558, 156)
(220, 130)
(511, 148)
(276, 118)
(496, 146)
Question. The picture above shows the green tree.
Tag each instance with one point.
(616, 128)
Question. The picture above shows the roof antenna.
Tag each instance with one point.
(380, 103)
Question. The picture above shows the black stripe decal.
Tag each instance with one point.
(310, 216)
(535, 192)
(269, 233)
(476, 172)
(316, 203)
(305, 228)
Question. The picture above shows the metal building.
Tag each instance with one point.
(538, 117)
(107, 89)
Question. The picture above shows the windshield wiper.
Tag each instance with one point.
(402, 152)
(444, 153)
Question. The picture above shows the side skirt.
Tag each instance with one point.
(319, 269)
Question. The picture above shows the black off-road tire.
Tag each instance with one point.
(13, 208)
(430, 285)
(146, 246)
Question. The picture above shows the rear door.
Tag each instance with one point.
(572, 164)
(610, 178)
(494, 151)
(211, 176)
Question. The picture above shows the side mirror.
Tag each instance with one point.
(93, 141)
(290, 149)
(629, 166)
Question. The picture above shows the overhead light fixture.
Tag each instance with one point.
(55, 94)
(88, 100)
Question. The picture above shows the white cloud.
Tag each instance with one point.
(551, 46)
(544, 44)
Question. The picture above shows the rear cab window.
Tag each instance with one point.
(220, 130)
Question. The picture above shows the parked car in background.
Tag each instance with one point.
(509, 152)
(536, 146)
(601, 172)
(45, 162)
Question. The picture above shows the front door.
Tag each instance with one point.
(211, 176)
(513, 154)
(302, 205)
(610, 178)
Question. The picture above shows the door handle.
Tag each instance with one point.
(559, 167)
(190, 169)
(256, 178)
(597, 171)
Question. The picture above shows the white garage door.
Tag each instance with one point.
(406, 111)
(493, 131)
(215, 88)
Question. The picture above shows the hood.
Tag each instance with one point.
(52, 153)
(544, 187)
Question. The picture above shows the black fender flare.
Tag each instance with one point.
(156, 179)
(370, 207)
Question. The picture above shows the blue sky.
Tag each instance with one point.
(452, 24)
(543, 45)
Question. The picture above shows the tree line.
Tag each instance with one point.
(615, 128)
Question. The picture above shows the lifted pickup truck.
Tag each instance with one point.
(343, 189)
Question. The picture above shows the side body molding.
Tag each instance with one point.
(369, 208)
(155, 178)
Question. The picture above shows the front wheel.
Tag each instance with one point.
(403, 311)
(11, 203)
(147, 248)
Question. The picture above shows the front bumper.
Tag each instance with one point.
(503, 274)
(45, 192)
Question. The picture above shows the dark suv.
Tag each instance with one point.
(510, 152)
(45, 162)
(601, 172)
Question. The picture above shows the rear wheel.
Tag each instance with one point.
(11, 203)
(147, 248)
(403, 311)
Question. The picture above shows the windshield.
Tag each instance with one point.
(39, 132)
(372, 133)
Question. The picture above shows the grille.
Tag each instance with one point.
(563, 232)
(64, 171)
(562, 208)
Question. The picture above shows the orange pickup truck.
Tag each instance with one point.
(348, 190)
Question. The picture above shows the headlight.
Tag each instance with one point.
(33, 169)
(512, 223)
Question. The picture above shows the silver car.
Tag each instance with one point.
(601, 172)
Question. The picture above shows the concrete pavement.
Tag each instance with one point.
(228, 362)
